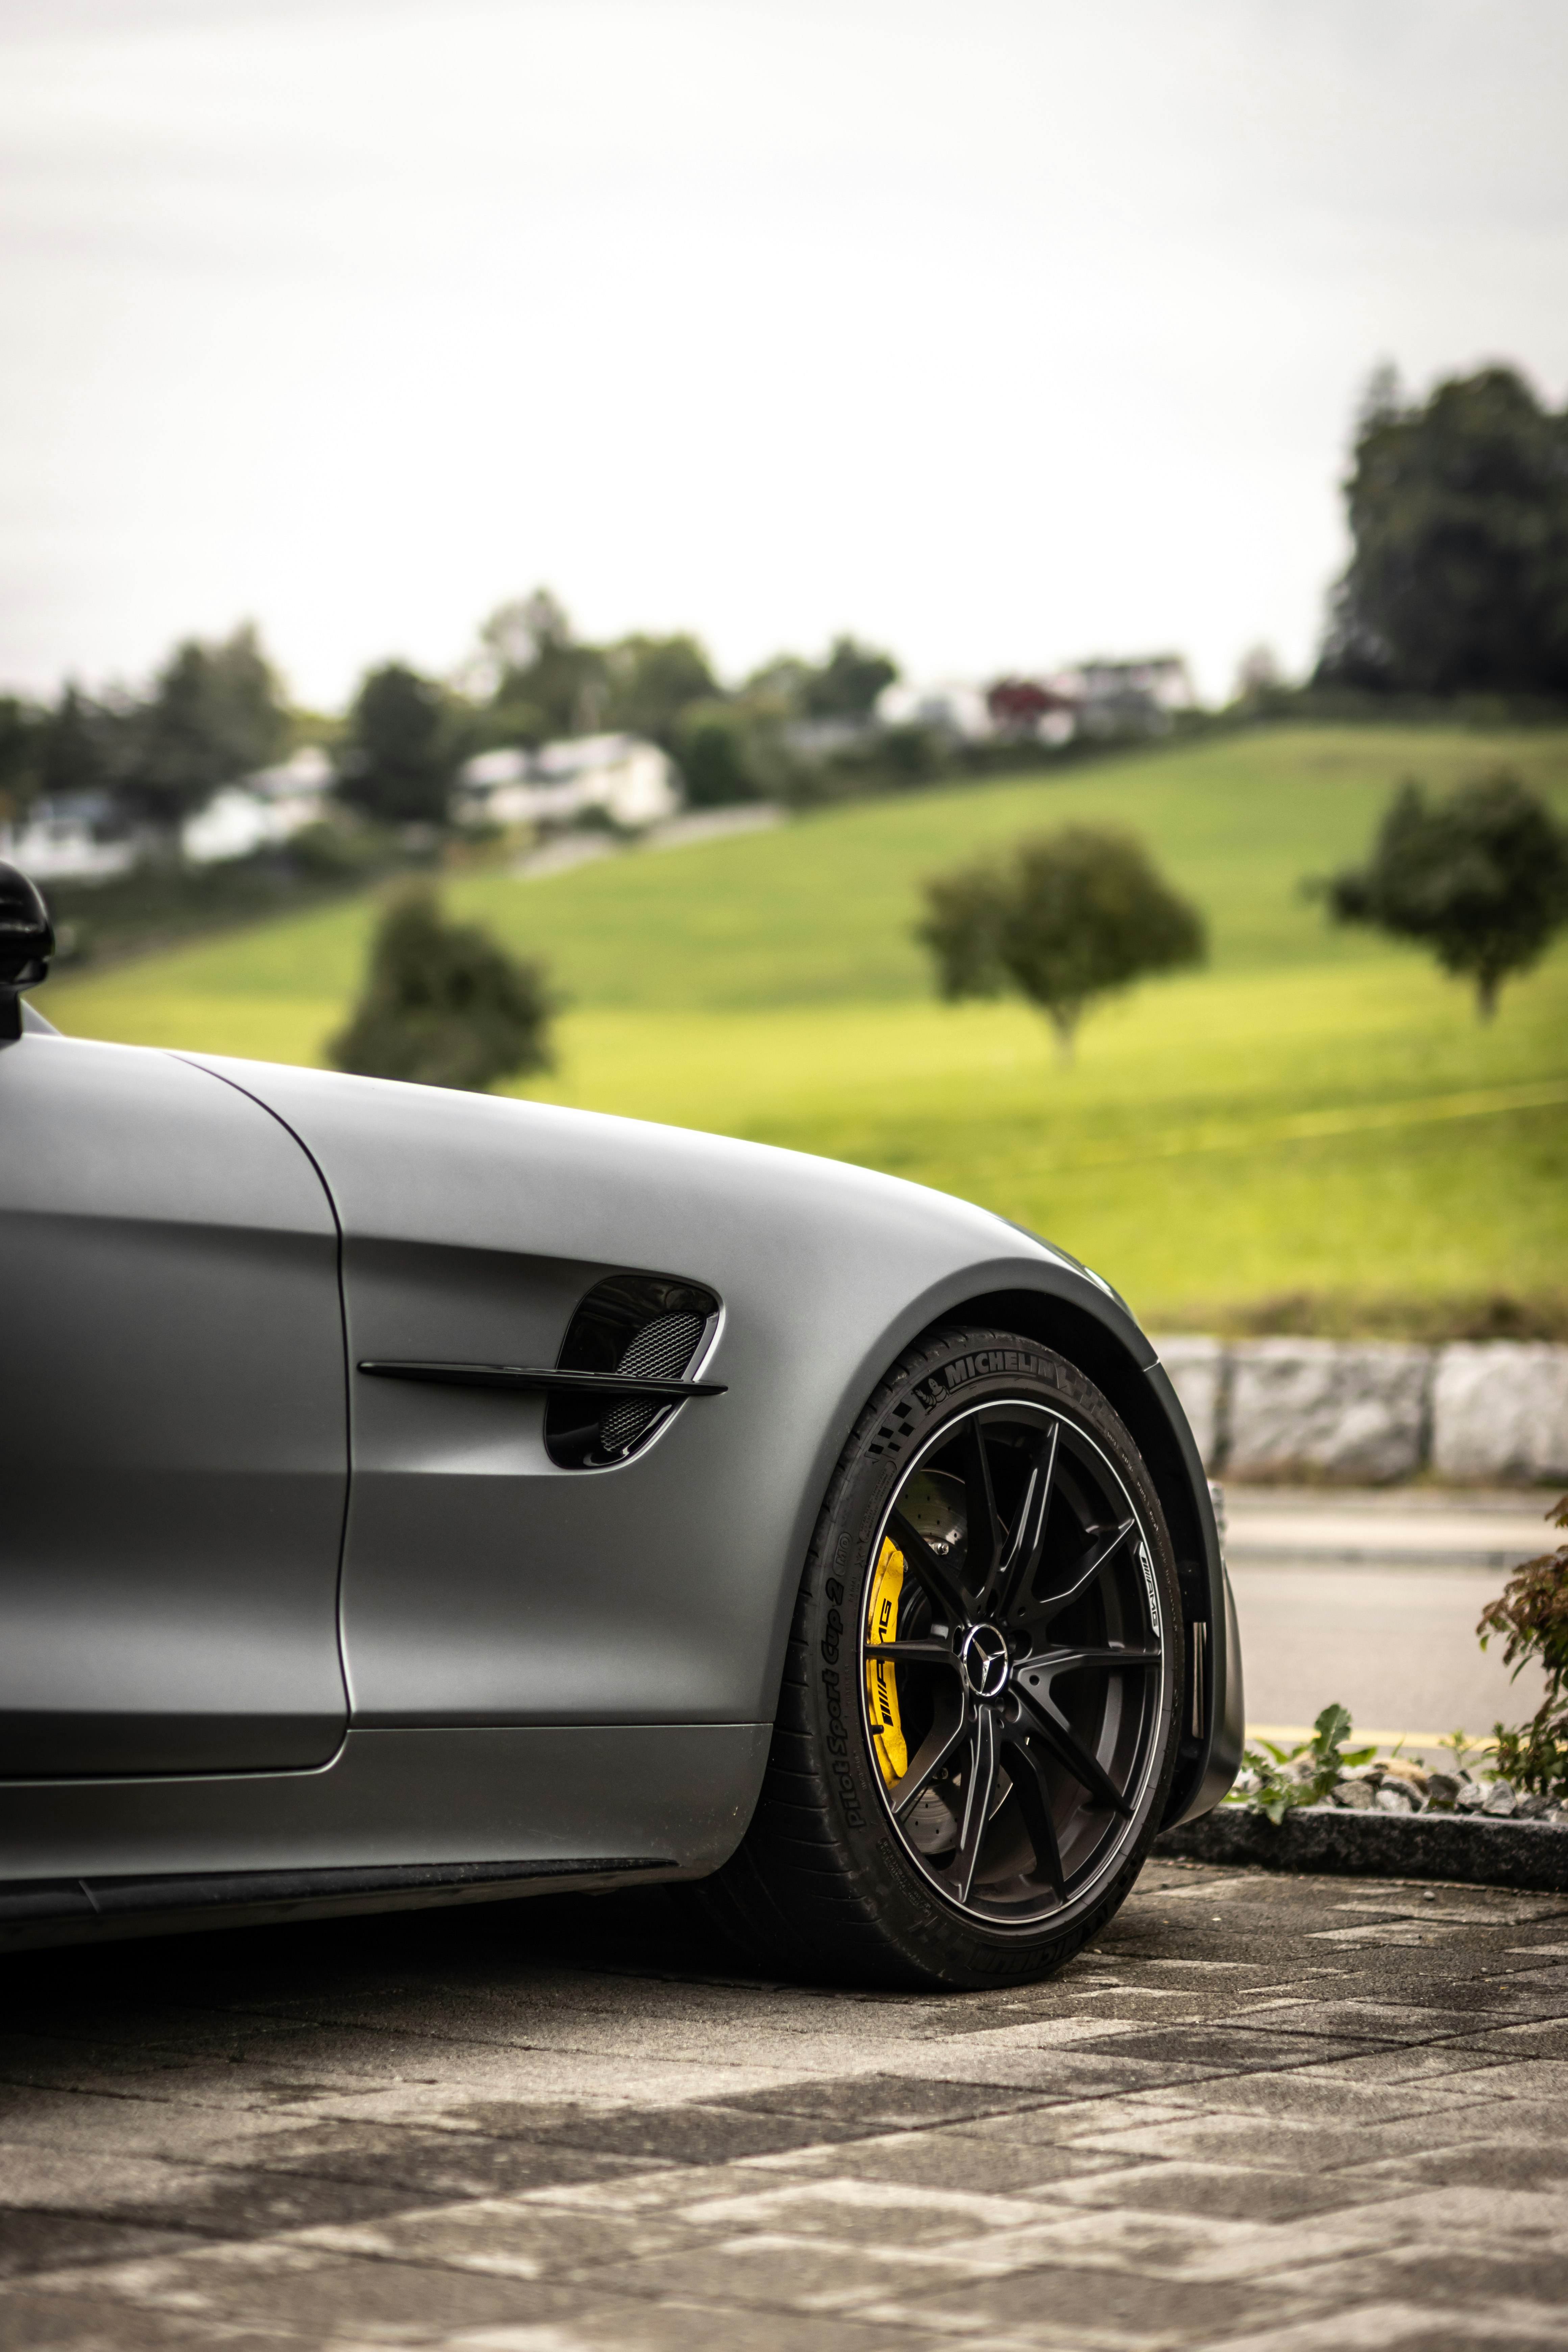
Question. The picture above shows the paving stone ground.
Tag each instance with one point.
(1266, 2114)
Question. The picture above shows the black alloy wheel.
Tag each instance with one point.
(978, 1724)
(1013, 1660)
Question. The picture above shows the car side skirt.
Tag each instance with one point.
(397, 1818)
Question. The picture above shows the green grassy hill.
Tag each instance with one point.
(1319, 1111)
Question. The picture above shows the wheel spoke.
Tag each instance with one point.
(1046, 1664)
(1051, 1726)
(1092, 1564)
(922, 1653)
(979, 1787)
(986, 1534)
(1024, 1771)
(914, 1784)
(933, 1573)
(1021, 1557)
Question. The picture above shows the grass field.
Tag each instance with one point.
(1317, 1112)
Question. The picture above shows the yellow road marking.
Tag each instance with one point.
(1280, 1733)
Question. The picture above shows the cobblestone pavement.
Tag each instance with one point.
(1266, 2114)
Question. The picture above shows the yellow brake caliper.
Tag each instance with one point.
(882, 1688)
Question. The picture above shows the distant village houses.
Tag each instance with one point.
(625, 781)
(93, 837)
(1092, 698)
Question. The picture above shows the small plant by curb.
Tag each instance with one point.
(1532, 1613)
(1275, 1781)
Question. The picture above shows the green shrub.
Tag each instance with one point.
(1532, 1613)
(445, 1005)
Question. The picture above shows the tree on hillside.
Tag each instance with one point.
(652, 681)
(1459, 511)
(1063, 916)
(1257, 676)
(74, 747)
(542, 682)
(721, 759)
(215, 713)
(398, 763)
(780, 686)
(445, 1005)
(844, 686)
(847, 683)
(1481, 878)
(21, 729)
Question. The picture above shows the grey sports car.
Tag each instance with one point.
(418, 1498)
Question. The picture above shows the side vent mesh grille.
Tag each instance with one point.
(661, 1351)
(650, 1326)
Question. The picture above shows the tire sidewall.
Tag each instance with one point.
(934, 1385)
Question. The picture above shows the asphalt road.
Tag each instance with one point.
(1372, 1600)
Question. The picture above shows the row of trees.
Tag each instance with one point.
(214, 712)
(1479, 879)
(1063, 917)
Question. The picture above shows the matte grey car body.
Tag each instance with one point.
(283, 1634)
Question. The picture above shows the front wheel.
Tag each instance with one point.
(978, 1722)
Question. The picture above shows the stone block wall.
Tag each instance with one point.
(1367, 1412)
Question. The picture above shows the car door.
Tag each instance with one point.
(172, 1423)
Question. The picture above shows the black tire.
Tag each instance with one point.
(827, 1883)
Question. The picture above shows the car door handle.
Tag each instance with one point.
(534, 1379)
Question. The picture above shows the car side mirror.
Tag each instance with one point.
(27, 943)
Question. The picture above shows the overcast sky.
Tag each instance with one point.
(1000, 332)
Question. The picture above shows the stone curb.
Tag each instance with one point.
(1374, 1412)
(1475, 1852)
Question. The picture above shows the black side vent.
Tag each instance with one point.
(646, 1326)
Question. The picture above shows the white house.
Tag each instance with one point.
(953, 708)
(634, 781)
(76, 837)
(260, 811)
(1137, 697)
